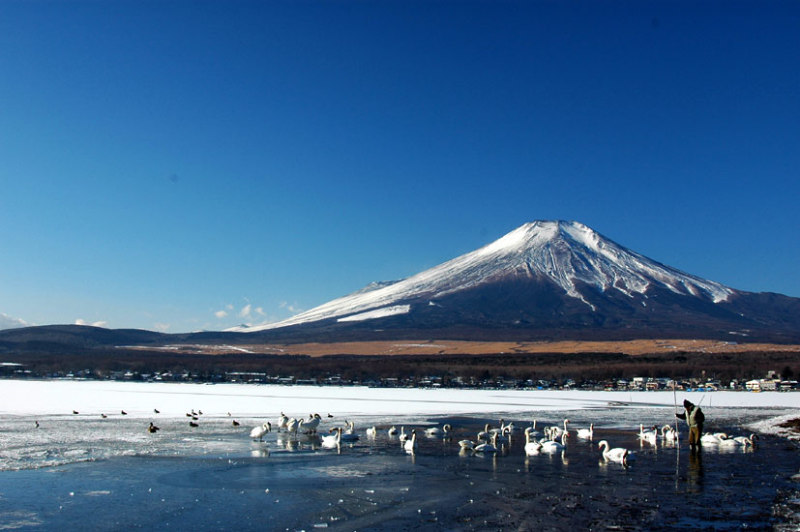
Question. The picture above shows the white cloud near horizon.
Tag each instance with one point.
(221, 314)
(10, 322)
(81, 321)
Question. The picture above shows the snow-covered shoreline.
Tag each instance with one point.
(54, 397)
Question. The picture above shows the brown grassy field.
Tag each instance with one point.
(458, 347)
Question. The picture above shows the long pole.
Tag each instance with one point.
(675, 402)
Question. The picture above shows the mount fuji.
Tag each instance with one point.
(547, 280)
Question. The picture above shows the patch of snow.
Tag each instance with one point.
(378, 313)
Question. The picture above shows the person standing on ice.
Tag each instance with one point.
(694, 418)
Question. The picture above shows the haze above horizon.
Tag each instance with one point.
(195, 165)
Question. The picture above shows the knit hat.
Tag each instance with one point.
(687, 404)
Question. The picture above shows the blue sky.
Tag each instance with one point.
(194, 165)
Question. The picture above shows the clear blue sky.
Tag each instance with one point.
(163, 165)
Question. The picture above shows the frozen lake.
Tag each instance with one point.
(78, 470)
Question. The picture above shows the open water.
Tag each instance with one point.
(75, 472)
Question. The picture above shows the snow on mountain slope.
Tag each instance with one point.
(565, 253)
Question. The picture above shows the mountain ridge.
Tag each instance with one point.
(543, 281)
(566, 254)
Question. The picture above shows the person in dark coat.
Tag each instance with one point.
(694, 418)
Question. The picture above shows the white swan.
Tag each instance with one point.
(668, 433)
(433, 432)
(486, 433)
(392, 431)
(502, 437)
(649, 436)
(487, 447)
(350, 433)
(403, 436)
(745, 440)
(332, 441)
(617, 454)
(466, 445)
(372, 432)
(258, 432)
(711, 439)
(293, 425)
(410, 445)
(552, 446)
(535, 432)
(283, 420)
(730, 442)
(311, 425)
(531, 447)
(586, 433)
(556, 431)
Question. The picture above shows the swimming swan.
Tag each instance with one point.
(649, 436)
(487, 447)
(433, 432)
(332, 441)
(410, 445)
(556, 431)
(617, 454)
(586, 433)
(532, 447)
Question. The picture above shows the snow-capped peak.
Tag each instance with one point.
(566, 253)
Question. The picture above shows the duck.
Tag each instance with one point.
(586, 433)
(259, 431)
(532, 447)
(157, 411)
(616, 454)
(410, 444)
(152, 429)
(124, 413)
(103, 416)
(235, 423)
(193, 424)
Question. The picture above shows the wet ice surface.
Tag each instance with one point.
(82, 470)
